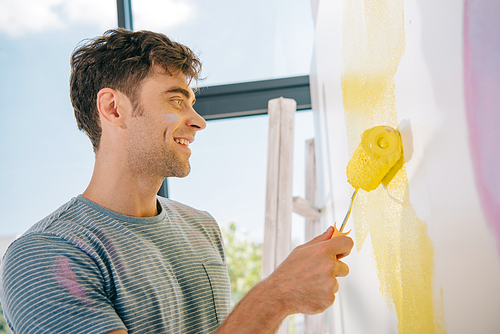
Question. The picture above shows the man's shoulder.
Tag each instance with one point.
(61, 227)
(197, 220)
(43, 236)
(182, 209)
(61, 213)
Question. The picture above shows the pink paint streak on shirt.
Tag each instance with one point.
(482, 98)
(66, 277)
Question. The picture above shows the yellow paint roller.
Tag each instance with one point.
(376, 160)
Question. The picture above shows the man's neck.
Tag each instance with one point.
(123, 192)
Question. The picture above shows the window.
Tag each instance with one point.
(238, 41)
(45, 160)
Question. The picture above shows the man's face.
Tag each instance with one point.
(158, 139)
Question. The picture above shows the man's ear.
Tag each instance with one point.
(110, 104)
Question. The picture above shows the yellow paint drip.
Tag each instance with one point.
(373, 43)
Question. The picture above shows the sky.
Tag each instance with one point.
(45, 160)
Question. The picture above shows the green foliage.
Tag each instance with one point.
(244, 261)
(4, 329)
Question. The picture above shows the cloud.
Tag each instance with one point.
(161, 15)
(24, 17)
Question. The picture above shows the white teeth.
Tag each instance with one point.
(182, 141)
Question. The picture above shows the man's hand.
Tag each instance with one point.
(306, 282)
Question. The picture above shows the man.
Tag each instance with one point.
(119, 259)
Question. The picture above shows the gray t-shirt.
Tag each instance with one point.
(86, 269)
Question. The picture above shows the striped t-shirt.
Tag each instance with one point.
(85, 269)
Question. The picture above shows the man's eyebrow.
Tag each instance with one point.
(181, 90)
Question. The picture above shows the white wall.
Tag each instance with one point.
(431, 112)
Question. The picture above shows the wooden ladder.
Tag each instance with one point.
(279, 201)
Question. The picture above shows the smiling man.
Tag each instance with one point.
(120, 259)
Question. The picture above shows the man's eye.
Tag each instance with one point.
(179, 102)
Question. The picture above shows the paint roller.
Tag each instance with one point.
(376, 160)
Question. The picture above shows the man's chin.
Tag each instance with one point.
(180, 172)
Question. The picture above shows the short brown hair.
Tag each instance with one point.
(121, 59)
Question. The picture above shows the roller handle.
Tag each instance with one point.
(349, 211)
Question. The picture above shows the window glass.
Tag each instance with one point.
(237, 41)
(45, 160)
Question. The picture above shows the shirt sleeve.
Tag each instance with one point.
(47, 285)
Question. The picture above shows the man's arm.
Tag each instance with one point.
(49, 285)
(304, 283)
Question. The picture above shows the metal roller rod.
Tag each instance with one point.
(348, 212)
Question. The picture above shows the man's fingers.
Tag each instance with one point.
(341, 246)
(336, 286)
(322, 237)
(341, 269)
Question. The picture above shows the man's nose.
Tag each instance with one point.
(196, 121)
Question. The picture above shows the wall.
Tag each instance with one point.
(459, 268)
